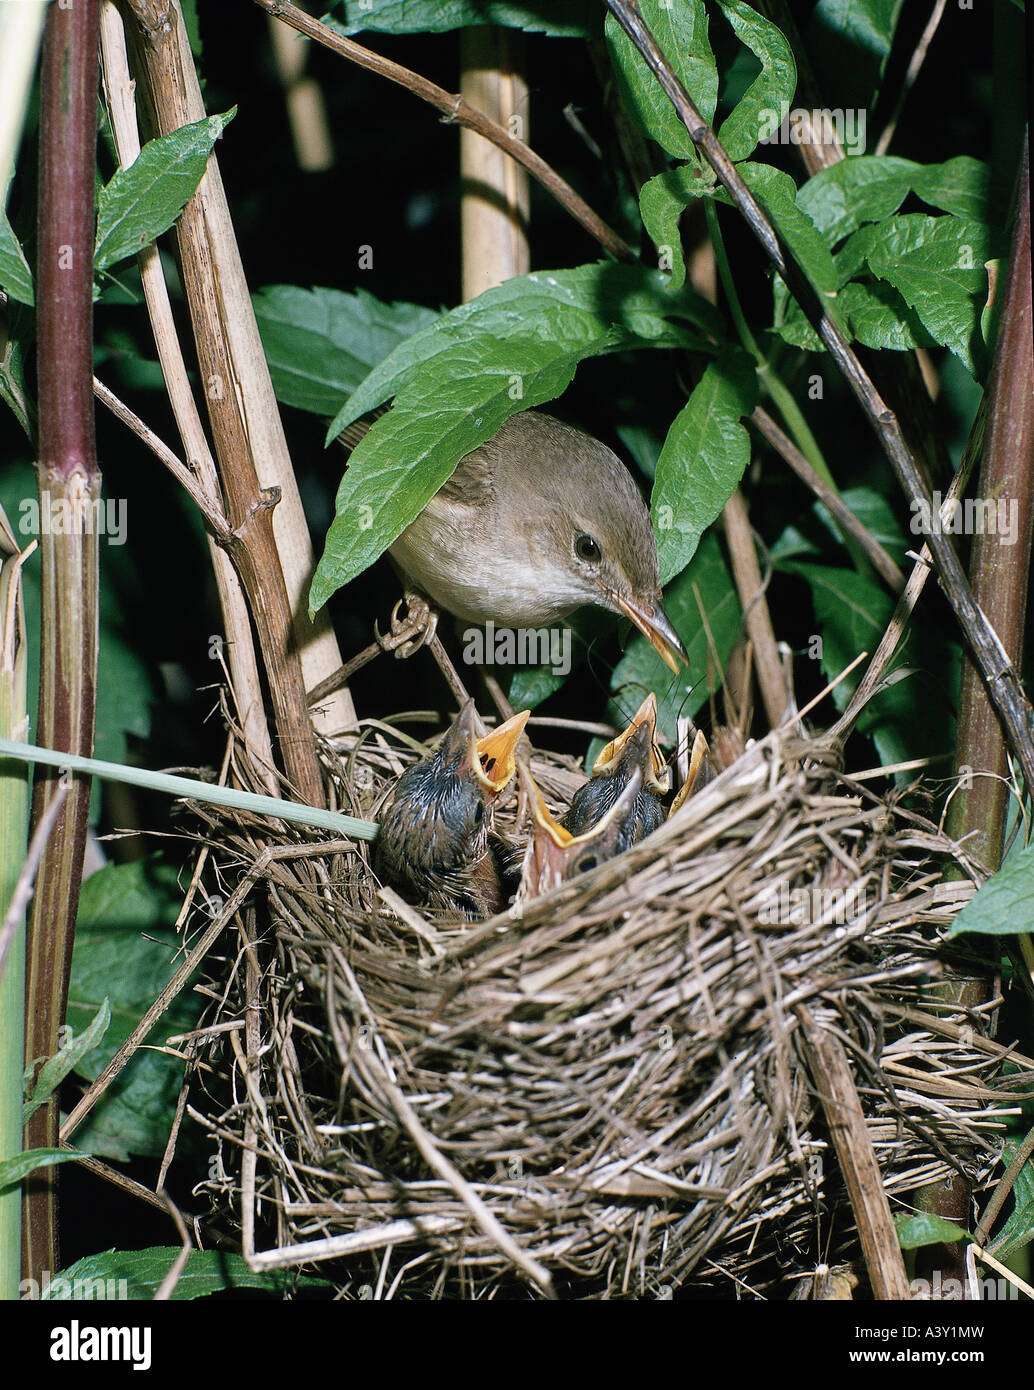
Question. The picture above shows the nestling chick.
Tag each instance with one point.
(554, 855)
(633, 751)
(537, 522)
(435, 825)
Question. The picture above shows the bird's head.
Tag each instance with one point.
(597, 544)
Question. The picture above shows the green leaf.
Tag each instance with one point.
(56, 1068)
(12, 382)
(17, 1169)
(875, 513)
(1005, 904)
(703, 459)
(458, 380)
(1018, 1229)
(611, 307)
(925, 1229)
(662, 201)
(144, 200)
(681, 32)
(321, 343)
(853, 39)
(704, 585)
(533, 684)
(561, 18)
(774, 85)
(138, 1274)
(15, 275)
(870, 188)
(937, 266)
(113, 957)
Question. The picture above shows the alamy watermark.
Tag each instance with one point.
(800, 126)
(518, 646)
(66, 516)
(795, 907)
(976, 516)
(78, 1288)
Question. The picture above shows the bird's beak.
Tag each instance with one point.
(656, 772)
(701, 771)
(655, 625)
(496, 753)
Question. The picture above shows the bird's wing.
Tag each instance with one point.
(472, 484)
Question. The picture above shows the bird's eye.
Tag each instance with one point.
(479, 812)
(587, 548)
(587, 862)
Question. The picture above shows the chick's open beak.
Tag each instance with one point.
(656, 772)
(495, 758)
(655, 625)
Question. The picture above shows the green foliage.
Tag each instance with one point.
(321, 343)
(681, 32)
(775, 84)
(922, 1228)
(125, 950)
(703, 459)
(570, 18)
(144, 200)
(1018, 1228)
(70, 1054)
(1005, 904)
(17, 1169)
(15, 275)
(138, 1274)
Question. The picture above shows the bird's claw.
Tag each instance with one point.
(407, 635)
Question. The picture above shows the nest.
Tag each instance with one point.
(613, 1093)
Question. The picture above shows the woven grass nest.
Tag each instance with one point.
(617, 1093)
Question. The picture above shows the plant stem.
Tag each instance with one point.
(68, 477)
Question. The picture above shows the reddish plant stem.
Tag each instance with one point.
(67, 474)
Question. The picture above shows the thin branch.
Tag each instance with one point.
(456, 112)
(214, 518)
(756, 618)
(1003, 684)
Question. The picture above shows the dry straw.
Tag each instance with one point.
(622, 1092)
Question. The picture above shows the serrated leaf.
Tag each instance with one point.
(15, 275)
(937, 266)
(923, 1228)
(777, 194)
(703, 459)
(113, 957)
(56, 1068)
(870, 188)
(321, 343)
(560, 18)
(17, 1169)
(138, 1274)
(875, 513)
(617, 306)
(681, 32)
(144, 200)
(1004, 906)
(774, 85)
(706, 583)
